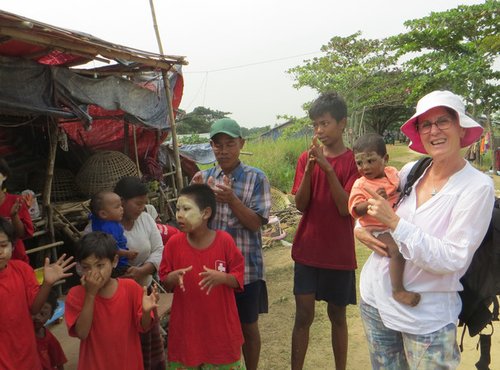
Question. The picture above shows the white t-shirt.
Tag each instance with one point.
(438, 240)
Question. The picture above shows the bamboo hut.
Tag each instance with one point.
(56, 111)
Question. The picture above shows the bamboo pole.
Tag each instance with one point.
(168, 95)
(47, 190)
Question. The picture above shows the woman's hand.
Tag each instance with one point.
(382, 210)
(365, 236)
(136, 273)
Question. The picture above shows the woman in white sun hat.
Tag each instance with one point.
(437, 229)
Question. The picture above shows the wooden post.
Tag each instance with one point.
(47, 190)
(171, 117)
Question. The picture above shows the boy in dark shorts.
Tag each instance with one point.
(323, 248)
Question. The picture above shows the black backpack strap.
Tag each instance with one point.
(416, 171)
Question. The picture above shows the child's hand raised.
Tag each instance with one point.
(211, 278)
(177, 277)
(150, 302)
(92, 281)
(53, 272)
(316, 155)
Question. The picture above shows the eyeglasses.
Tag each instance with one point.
(442, 123)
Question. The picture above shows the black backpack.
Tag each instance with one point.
(481, 281)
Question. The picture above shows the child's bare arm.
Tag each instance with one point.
(360, 209)
(211, 278)
(303, 194)
(52, 272)
(175, 278)
(339, 195)
(149, 303)
(92, 282)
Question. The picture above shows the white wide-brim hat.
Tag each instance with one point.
(473, 130)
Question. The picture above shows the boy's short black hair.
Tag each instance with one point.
(330, 102)
(130, 187)
(7, 228)
(4, 168)
(203, 196)
(101, 245)
(97, 201)
(370, 143)
(52, 301)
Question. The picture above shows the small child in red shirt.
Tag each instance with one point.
(107, 314)
(371, 157)
(203, 268)
(21, 297)
(49, 349)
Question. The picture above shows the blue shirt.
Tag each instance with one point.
(116, 230)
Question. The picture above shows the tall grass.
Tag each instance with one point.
(279, 158)
(276, 158)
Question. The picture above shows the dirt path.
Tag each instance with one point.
(276, 327)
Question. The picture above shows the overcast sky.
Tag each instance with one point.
(238, 51)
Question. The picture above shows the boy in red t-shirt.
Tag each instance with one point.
(49, 349)
(107, 314)
(371, 157)
(323, 247)
(21, 297)
(203, 268)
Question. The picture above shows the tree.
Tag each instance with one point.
(365, 73)
(199, 120)
(455, 50)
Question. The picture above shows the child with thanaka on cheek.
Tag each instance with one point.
(21, 297)
(107, 213)
(203, 268)
(107, 314)
(371, 157)
(49, 349)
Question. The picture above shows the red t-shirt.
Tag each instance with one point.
(50, 351)
(18, 252)
(324, 238)
(113, 341)
(204, 329)
(18, 289)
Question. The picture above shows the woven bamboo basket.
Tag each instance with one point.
(102, 170)
(64, 186)
(279, 200)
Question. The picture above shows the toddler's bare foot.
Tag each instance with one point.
(406, 297)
